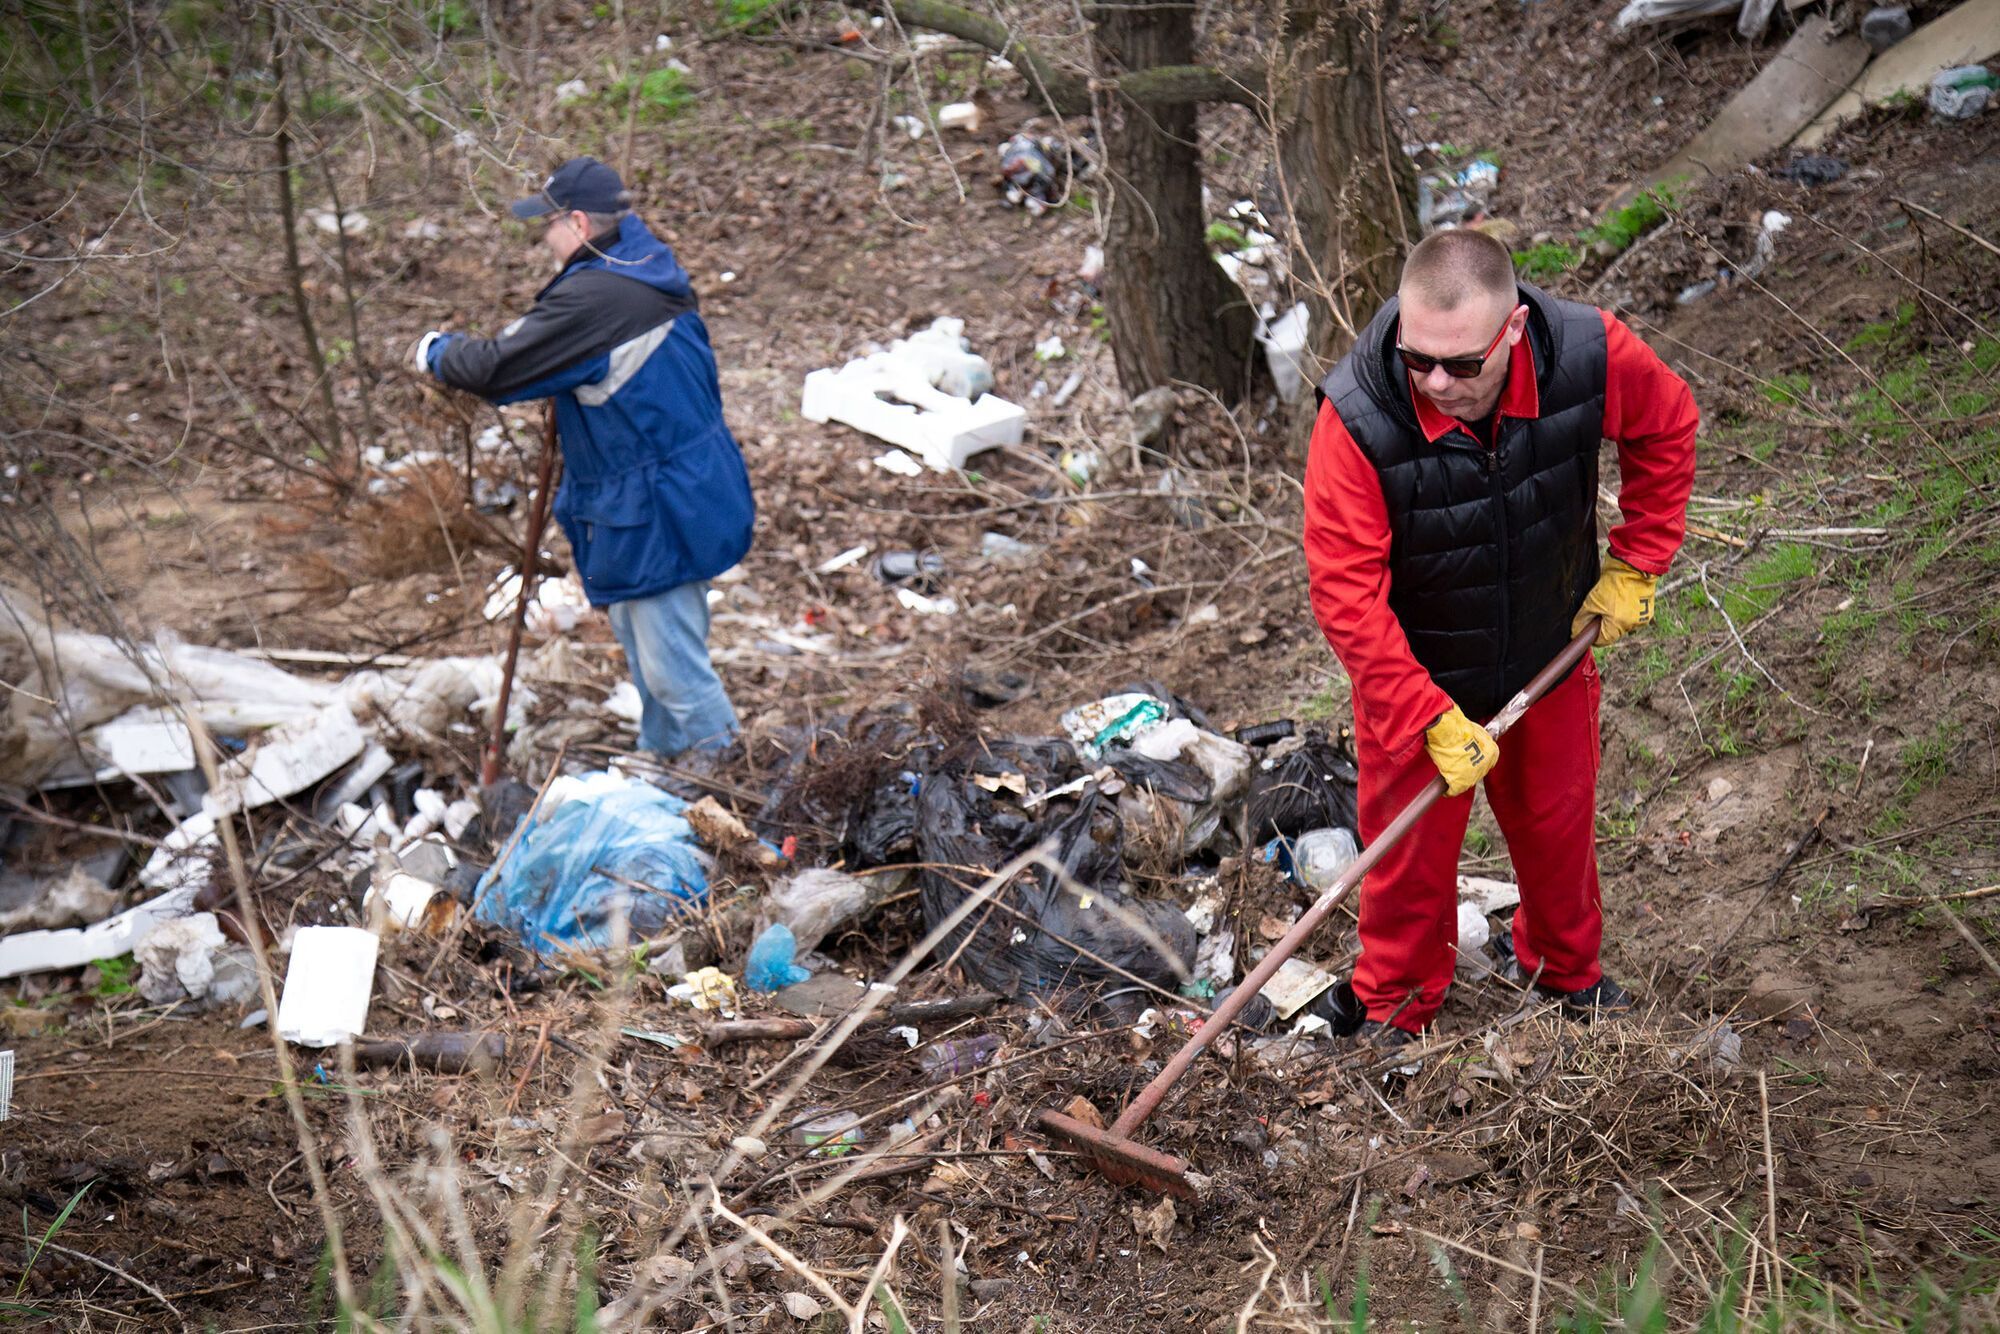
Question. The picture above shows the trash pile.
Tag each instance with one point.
(1154, 858)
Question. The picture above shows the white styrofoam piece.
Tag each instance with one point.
(890, 398)
(145, 740)
(287, 760)
(1490, 896)
(41, 951)
(327, 985)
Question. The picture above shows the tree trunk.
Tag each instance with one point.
(1346, 186)
(1174, 314)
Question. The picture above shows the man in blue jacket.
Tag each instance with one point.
(655, 499)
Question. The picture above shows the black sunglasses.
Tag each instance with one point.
(1458, 368)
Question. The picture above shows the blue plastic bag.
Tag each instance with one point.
(770, 964)
(553, 890)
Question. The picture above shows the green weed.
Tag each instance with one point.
(1549, 260)
(664, 94)
(1789, 389)
(115, 977)
(15, 1308)
(1628, 224)
(1762, 582)
(1226, 236)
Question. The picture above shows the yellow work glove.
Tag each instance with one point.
(1622, 596)
(1462, 750)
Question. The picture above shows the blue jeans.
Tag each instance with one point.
(682, 703)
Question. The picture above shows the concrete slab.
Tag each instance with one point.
(1807, 74)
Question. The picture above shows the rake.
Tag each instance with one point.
(1123, 1159)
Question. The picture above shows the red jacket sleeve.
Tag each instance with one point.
(1347, 566)
(1650, 412)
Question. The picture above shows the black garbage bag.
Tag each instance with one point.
(1168, 778)
(1312, 786)
(1056, 922)
(849, 788)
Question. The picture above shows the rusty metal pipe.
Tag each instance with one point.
(1113, 1150)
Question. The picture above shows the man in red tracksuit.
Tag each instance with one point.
(1451, 541)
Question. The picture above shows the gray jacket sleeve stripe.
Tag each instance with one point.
(584, 316)
(626, 359)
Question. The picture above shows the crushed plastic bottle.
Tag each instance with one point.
(771, 964)
(1962, 92)
(958, 1056)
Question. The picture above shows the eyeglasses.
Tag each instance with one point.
(1458, 368)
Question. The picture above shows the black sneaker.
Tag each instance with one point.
(1602, 997)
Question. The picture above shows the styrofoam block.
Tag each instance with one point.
(143, 741)
(892, 401)
(287, 760)
(327, 985)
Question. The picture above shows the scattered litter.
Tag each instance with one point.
(1662, 11)
(912, 126)
(926, 606)
(333, 224)
(1051, 349)
(1962, 92)
(189, 959)
(663, 43)
(851, 556)
(1068, 391)
(817, 900)
(6, 1084)
(327, 985)
(771, 963)
(896, 461)
(286, 761)
(1812, 169)
(1885, 25)
(1720, 1044)
(409, 903)
(1297, 983)
(707, 989)
(1092, 267)
(75, 897)
(1320, 855)
(958, 1056)
(1284, 344)
(1489, 896)
(1959, 38)
(1035, 171)
(1005, 550)
(919, 569)
(444, 1053)
(606, 850)
(1081, 465)
(959, 116)
(801, 1306)
(572, 90)
(1694, 292)
(423, 229)
(1115, 718)
(830, 1134)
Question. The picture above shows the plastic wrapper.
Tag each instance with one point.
(614, 849)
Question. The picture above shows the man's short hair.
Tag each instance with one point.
(1448, 268)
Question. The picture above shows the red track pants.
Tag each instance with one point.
(1544, 793)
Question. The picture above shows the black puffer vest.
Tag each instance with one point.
(1491, 551)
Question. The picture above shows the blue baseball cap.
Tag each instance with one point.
(580, 184)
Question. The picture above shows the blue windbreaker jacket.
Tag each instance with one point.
(654, 492)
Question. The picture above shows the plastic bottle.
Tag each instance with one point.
(958, 1056)
(1320, 855)
(770, 965)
